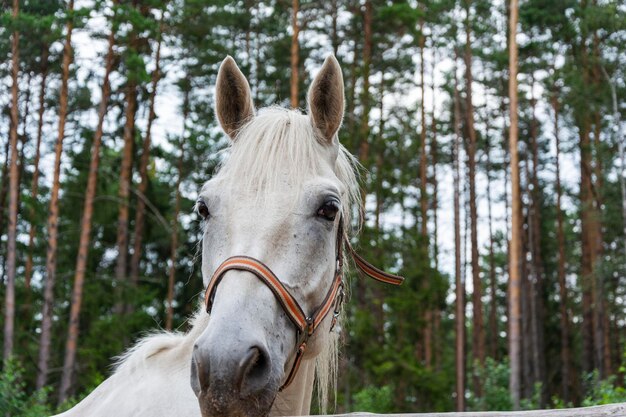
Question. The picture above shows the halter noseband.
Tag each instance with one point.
(305, 325)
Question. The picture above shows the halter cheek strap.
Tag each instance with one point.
(305, 325)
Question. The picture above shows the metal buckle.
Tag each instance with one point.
(338, 305)
(309, 326)
(302, 336)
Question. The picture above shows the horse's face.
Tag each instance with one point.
(246, 352)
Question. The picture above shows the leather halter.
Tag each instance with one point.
(305, 324)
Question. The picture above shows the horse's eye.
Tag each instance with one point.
(329, 210)
(202, 209)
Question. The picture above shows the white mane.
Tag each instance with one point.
(281, 145)
(160, 342)
(275, 146)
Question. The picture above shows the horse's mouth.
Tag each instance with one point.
(230, 404)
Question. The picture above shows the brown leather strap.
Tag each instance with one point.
(305, 326)
(371, 271)
(265, 274)
(295, 367)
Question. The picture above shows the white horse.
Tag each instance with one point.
(282, 197)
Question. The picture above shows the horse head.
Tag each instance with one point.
(271, 250)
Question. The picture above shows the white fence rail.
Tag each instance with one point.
(610, 410)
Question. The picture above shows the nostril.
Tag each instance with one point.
(254, 369)
(199, 371)
(258, 367)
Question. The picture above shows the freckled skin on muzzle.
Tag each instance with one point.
(213, 404)
(217, 403)
(238, 384)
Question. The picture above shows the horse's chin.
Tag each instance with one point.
(228, 404)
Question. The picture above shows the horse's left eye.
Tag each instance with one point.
(329, 210)
(202, 208)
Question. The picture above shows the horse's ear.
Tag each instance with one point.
(325, 99)
(233, 99)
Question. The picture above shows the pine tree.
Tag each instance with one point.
(142, 188)
(478, 335)
(563, 292)
(35, 180)
(53, 218)
(294, 54)
(9, 321)
(174, 239)
(516, 226)
(459, 278)
(135, 71)
(86, 225)
(428, 331)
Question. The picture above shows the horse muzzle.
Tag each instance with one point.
(234, 382)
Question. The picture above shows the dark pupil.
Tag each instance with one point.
(329, 211)
(203, 210)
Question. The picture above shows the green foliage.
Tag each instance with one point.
(534, 401)
(15, 399)
(374, 399)
(495, 382)
(603, 391)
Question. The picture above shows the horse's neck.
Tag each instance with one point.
(295, 400)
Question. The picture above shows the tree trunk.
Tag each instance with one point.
(435, 206)
(423, 159)
(537, 261)
(601, 322)
(526, 314)
(493, 322)
(71, 343)
(529, 279)
(35, 181)
(365, 95)
(24, 136)
(295, 54)
(362, 131)
(428, 322)
(566, 378)
(174, 242)
(350, 114)
(478, 340)
(618, 137)
(9, 312)
(378, 311)
(5, 184)
(601, 327)
(507, 200)
(143, 168)
(334, 34)
(588, 220)
(53, 218)
(124, 187)
(459, 282)
(601, 358)
(434, 157)
(379, 166)
(257, 62)
(516, 224)
(527, 343)
(588, 258)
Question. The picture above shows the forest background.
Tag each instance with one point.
(107, 132)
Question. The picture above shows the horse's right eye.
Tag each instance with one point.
(202, 209)
(329, 210)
